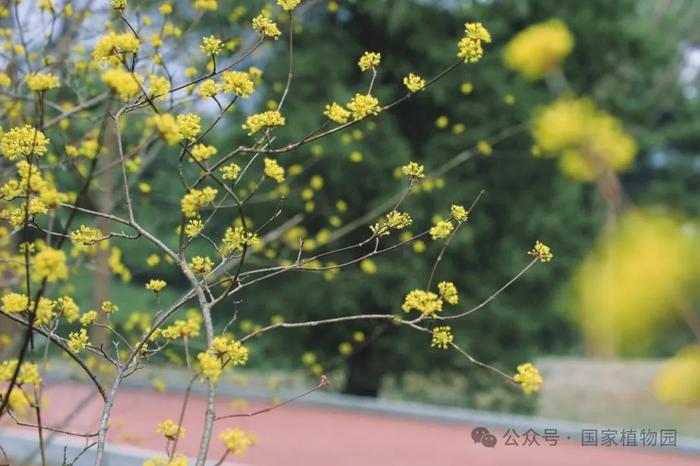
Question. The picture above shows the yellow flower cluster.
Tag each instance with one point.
(209, 88)
(201, 265)
(111, 47)
(167, 127)
(158, 87)
(442, 337)
(288, 5)
(194, 227)
(441, 229)
(587, 140)
(88, 318)
(202, 152)
(230, 171)
(459, 213)
(235, 440)
(50, 264)
(211, 45)
(265, 26)
(41, 82)
(210, 365)
(268, 119)
(181, 328)
(539, 49)
(189, 125)
(413, 82)
(528, 377)
(28, 372)
(542, 252)
(413, 170)
(66, 307)
(448, 292)
(235, 238)
(427, 302)
(23, 141)
(394, 220)
(197, 199)
(78, 341)
(170, 429)
(15, 303)
(125, 84)
(363, 105)
(237, 82)
(108, 307)
(337, 113)
(274, 170)
(85, 235)
(369, 60)
(469, 47)
(225, 346)
(45, 311)
(156, 285)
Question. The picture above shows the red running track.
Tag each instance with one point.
(312, 436)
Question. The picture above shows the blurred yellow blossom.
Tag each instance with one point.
(539, 49)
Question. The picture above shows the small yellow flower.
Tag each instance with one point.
(529, 378)
(442, 337)
(209, 88)
(274, 170)
(50, 264)
(542, 252)
(268, 119)
(78, 341)
(88, 318)
(41, 82)
(23, 141)
(125, 84)
(427, 302)
(211, 45)
(484, 147)
(448, 292)
(337, 113)
(368, 266)
(155, 285)
(469, 47)
(237, 82)
(363, 105)
(170, 429)
(459, 213)
(413, 170)
(441, 230)
(288, 5)
(236, 441)
(369, 60)
(201, 265)
(153, 260)
(265, 26)
(15, 303)
(189, 125)
(413, 82)
(210, 366)
(394, 220)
